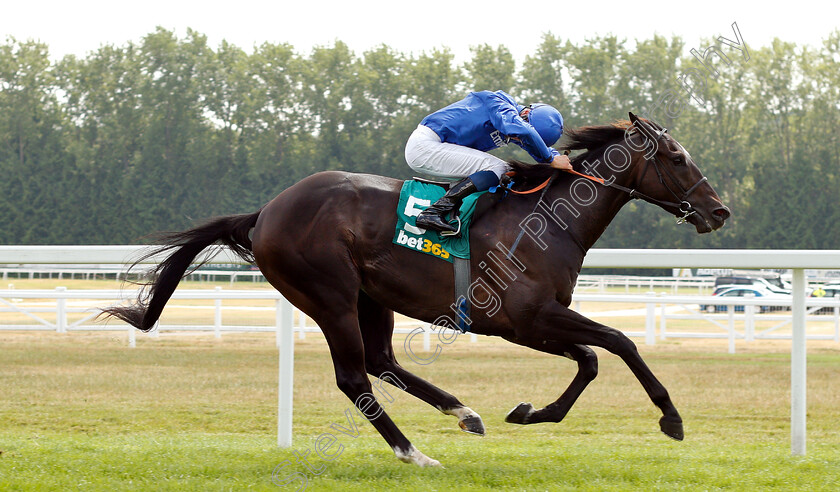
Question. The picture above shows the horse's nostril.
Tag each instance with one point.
(722, 213)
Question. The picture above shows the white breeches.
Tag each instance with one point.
(426, 154)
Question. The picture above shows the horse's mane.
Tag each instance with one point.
(588, 138)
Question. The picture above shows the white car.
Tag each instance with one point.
(744, 291)
(747, 281)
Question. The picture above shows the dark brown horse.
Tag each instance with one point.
(326, 245)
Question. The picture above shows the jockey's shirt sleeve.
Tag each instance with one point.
(504, 116)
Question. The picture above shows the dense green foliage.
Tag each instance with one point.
(159, 134)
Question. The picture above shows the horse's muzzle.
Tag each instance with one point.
(719, 216)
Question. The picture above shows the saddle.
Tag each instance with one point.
(422, 192)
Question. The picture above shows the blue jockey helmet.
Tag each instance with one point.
(547, 121)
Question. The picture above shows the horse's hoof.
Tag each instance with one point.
(672, 428)
(520, 414)
(472, 425)
(415, 457)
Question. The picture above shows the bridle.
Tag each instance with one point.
(682, 204)
(652, 141)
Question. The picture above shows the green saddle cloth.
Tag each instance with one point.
(415, 196)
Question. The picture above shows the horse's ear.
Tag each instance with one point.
(643, 127)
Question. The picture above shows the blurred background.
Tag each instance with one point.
(120, 120)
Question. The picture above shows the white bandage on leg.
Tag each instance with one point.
(426, 154)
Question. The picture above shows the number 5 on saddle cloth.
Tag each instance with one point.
(415, 196)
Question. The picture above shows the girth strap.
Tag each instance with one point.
(463, 278)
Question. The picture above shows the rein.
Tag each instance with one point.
(535, 189)
(683, 205)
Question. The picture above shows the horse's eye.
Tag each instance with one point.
(679, 161)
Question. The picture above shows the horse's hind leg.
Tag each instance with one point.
(377, 326)
(587, 361)
(348, 355)
(332, 304)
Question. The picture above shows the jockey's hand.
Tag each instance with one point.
(561, 162)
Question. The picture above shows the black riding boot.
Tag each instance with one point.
(434, 217)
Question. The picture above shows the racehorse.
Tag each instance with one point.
(326, 244)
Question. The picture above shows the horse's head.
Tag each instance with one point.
(670, 178)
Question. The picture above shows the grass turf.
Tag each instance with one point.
(84, 411)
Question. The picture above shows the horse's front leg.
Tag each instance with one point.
(558, 323)
(587, 361)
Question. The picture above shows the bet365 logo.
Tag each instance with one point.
(418, 243)
(421, 244)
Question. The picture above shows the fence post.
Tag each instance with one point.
(217, 314)
(427, 342)
(662, 323)
(837, 319)
(132, 337)
(650, 319)
(730, 310)
(60, 311)
(749, 319)
(301, 324)
(285, 379)
(278, 320)
(798, 357)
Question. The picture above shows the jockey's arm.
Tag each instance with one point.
(505, 117)
(559, 161)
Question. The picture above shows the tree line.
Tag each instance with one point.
(161, 133)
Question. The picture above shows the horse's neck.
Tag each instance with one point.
(588, 207)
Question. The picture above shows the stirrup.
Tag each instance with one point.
(455, 232)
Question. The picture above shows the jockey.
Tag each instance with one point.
(452, 142)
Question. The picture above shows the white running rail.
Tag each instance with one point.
(797, 260)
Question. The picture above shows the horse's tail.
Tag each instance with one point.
(231, 231)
